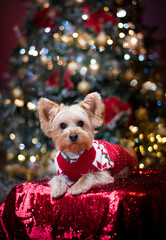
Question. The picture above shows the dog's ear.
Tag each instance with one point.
(47, 110)
(92, 104)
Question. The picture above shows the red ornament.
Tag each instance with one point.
(67, 80)
(99, 18)
(114, 110)
(53, 80)
(45, 18)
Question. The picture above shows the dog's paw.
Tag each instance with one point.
(58, 186)
(76, 189)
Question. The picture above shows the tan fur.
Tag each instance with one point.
(51, 116)
(90, 179)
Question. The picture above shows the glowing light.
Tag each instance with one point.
(142, 151)
(32, 51)
(141, 57)
(155, 146)
(152, 139)
(32, 47)
(32, 159)
(79, 59)
(133, 83)
(133, 129)
(31, 106)
(164, 140)
(126, 56)
(21, 157)
(83, 70)
(21, 146)
(46, 5)
(159, 154)
(159, 103)
(94, 67)
(150, 148)
(121, 35)
(34, 140)
(109, 41)
(43, 51)
(106, 9)
(134, 41)
(12, 136)
(141, 136)
(158, 136)
(149, 86)
(84, 16)
(126, 25)
(65, 23)
(75, 35)
(19, 103)
(120, 25)
(125, 44)
(7, 101)
(25, 58)
(131, 32)
(22, 51)
(121, 13)
(93, 61)
(141, 165)
(47, 29)
(61, 28)
(56, 35)
(101, 48)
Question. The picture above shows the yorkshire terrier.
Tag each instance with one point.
(81, 162)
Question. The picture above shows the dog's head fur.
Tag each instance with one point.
(72, 128)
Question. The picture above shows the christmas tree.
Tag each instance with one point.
(70, 48)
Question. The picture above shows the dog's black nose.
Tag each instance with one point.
(73, 137)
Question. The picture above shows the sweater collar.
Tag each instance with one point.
(70, 159)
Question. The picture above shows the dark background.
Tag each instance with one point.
(13, 12)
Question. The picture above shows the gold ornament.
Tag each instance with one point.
(83, 39)
(94, 67)
(129, 74)
(67, 39)
(83, 87)
(141, 114)
(43, 60)
(22, 72)
(102, 39)
(113, 72)
(17, 93)
(159, 94)
(57, 36)
(72, 66)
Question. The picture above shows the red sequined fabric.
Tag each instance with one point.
(132, 208)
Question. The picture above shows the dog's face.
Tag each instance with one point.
(72, 128)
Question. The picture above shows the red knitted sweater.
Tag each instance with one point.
(102, 156)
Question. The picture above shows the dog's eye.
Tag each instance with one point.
(63, 125)
(80, 124)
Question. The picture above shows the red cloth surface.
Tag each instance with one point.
(132, 208)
